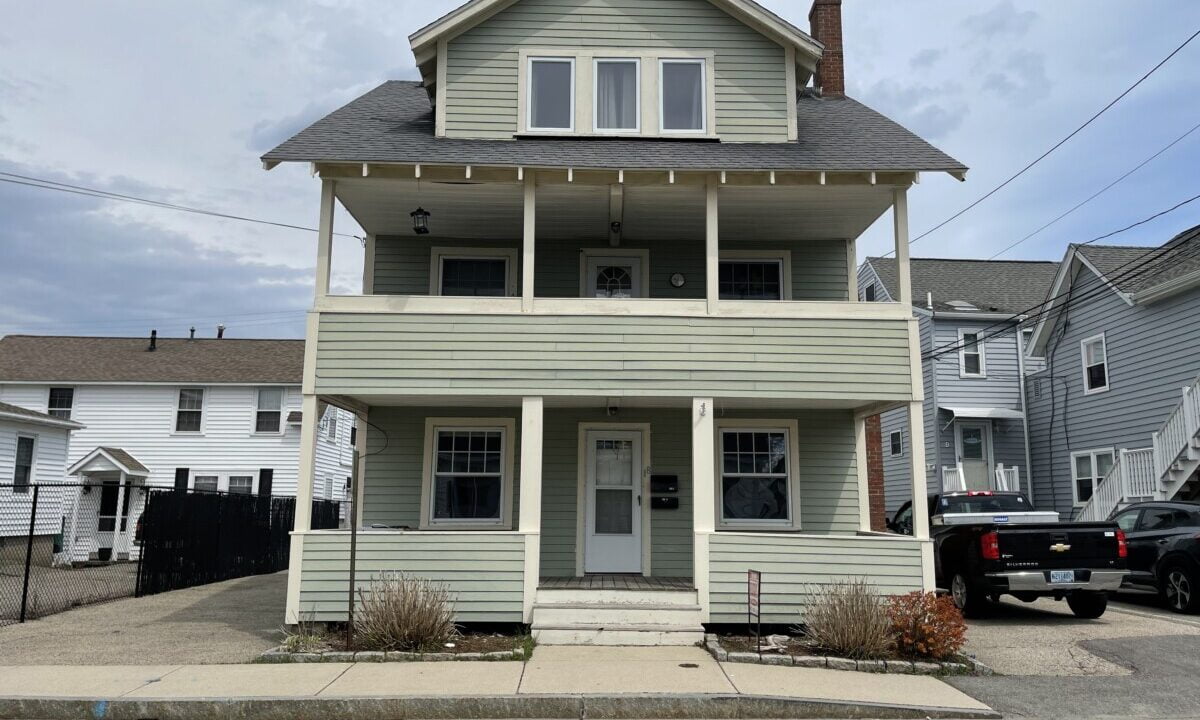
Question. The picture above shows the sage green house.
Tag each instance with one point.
(608, 356)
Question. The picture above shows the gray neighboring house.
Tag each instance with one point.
(1122, 424)
(974, 417)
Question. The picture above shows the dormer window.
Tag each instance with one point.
(617, 99)
(682, 106)
(552, 94)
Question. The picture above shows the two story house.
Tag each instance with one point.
(207, 414)
(609, 348)
(973, 364)
(1115, 414)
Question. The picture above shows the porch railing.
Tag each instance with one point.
(953, 479)
(1131, 478)
(1008, 479)
(1177, 434)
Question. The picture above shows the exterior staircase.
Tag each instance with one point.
(1167, 469)
(616, 617)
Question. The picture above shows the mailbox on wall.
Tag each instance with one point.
(664, 503)
(664, 484)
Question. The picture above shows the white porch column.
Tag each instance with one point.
(900, 228)
(118, 536)
(711, 251)
(920, 490)
(527, 241)
(852, 270)
(530, 518)
(704, 491)
(325, 238)
(864, 485)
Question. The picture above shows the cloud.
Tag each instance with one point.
(926, 58)
(931, 112)
(1023, 75)
(1002, 19)
(266, 134)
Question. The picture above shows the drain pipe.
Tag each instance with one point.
(1024, 412)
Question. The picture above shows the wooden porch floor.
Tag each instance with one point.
(616, 582)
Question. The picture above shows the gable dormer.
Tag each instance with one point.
(725, 70)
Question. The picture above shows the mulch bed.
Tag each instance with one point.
(798, 651)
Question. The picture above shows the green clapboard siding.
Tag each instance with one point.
(483, 571)
(818, 267)
(826, 359)
(481, 69)
(793, 567)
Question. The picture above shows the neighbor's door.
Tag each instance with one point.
(974, 454)
(613, 520)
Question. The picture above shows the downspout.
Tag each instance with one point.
(933, 385)
(1024, 412)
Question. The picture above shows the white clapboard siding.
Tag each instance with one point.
(49, 462)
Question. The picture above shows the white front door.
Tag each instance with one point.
(974, 454)
(613, 525)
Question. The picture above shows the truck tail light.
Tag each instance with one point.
(989, 546)
(1122, 545)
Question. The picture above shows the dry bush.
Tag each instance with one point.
(926, 625)
(849, 619)
(403, 612)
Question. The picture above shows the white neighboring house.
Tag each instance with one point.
(199, 413)
(33, 450)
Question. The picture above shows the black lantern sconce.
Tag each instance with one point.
(420, 220)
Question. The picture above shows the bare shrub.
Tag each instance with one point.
(849, 619)
(927, 625)
(403, 612)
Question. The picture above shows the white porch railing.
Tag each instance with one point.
(1008, 479)
(953, 479)
(1131, 478)
(1177, 435)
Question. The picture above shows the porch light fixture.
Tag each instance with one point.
(420, 218)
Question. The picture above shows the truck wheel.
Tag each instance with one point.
(1180, 589)
(967, 597)
(1087, 604)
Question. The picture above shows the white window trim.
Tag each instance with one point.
(705, 72)
(637, 113)
(33, 457)
(1083, 361)
(203, 410)
(438, 254)
(49, 393)
(587, 254)
(528, 76)
(222, 477)
(1095, 480)
(791, 428)
(980, 347)
(901, 434)
(783, 257)
(258, 407)
(508, 428)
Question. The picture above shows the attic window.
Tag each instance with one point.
(552, 94)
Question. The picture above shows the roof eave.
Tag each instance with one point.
(47, 420)
(1164, 290)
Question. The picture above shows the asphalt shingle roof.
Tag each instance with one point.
(394, 123)
(26, 412)
(42, 358)
(124, 458)
(1119, 263)
(1009, 286)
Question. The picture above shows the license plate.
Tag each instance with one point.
(1062, 576)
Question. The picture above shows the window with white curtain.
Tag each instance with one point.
(682, 101)
(552, 94)
(617, 95)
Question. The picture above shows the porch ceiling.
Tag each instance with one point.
(466, 210)
(551, 401)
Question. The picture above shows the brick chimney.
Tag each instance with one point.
(875, 492)
(825, 24)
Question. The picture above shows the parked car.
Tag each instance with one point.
(987, 544)
(1164, 550)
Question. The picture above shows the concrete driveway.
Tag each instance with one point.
(228, 622)
(1137, 660)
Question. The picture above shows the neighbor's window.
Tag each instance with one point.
(468, 475)
(897, 443)
(869, 293)
(1088, 468)
(682, 101)
(23, 469)
(60, 403)
(241, 484)
(270, 409)
(750, 279)
(331, 425)
(205, 483)
(754, 476)
(552, 94)
(970, 354)
(617, 99)
(1095, 364)
(191, 404)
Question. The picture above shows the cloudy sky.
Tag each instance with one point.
(176, 101)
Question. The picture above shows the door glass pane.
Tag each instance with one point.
(614, 462)
(616, 95)
(614, 512)
(550, 94)
(614, 281)
(683, 96)
(972, 443)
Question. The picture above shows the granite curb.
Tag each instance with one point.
(968, 665)
(280, 655)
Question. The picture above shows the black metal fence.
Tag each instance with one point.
(72, 544)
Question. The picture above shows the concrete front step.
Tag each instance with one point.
(616, 615)
(559, 596)
(621, 635)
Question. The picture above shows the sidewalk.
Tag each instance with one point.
(558, 682)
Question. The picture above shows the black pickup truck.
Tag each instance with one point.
(987, 544)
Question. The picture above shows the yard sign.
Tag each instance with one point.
(754, 606)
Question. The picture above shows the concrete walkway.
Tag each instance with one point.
(556, 682)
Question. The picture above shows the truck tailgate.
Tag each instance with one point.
(1059, 546)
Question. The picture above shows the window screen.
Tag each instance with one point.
(551, 94)
(191, 402)
(270, 406)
